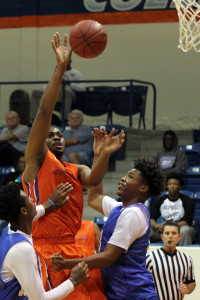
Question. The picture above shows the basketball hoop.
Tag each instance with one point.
(189, 24)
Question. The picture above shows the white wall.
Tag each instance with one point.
(194, 253)
(146, 52)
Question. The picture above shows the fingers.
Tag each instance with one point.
(56, 255)
(65, 40)
(63, 187)
(57, 39)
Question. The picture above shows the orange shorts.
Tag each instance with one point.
(91, 289)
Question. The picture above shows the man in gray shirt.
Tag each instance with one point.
(13, 139)
(78, 139)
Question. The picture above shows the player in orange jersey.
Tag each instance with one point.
(45, 169)
(88, 236)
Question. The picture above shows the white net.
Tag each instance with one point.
(189, 24)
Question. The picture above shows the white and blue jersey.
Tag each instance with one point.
(10, 290)
(128, 277)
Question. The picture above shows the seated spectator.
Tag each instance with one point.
(13, 139)
(171, 158)
(15, 176)
(173, 206)
(78, 140)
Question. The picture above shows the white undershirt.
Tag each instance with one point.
(21, 263)
(131, 224)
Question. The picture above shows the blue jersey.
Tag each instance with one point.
(10, 290)
(128, 277)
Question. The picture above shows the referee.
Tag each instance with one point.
(172, 270)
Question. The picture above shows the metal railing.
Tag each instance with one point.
(131, 82)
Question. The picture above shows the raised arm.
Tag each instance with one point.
(36, 148)
(104, 145)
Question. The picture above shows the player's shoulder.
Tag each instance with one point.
(21, 250)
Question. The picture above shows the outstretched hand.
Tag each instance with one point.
(107, 142)
(63, 54)
(60, 194)
(113, 142)
(99, 138)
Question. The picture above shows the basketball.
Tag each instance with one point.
(88, 38)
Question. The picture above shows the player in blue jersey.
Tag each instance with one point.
(19, 269)
(125, 235)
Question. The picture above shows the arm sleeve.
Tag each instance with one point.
(22, 261)
(189, 209)
(190, 274)
(131, 224)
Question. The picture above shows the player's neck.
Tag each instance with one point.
(25, 227)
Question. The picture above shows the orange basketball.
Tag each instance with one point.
(88, 38)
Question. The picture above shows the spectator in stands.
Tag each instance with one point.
(13, 139)
(172, 270)
(78, 140)
(173, 206)
(171, 158)
(15, 176)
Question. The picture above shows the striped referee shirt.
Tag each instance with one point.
(168, 271)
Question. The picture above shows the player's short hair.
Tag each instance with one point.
(171, 223)
(154, 177)
(11, 203)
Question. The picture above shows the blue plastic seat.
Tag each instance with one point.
(100, 221)
(196, 221)
(192, 152)
(130, 100)
(192, 179)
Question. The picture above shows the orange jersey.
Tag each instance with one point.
(65, 221)
(86, 237)
(55, 232)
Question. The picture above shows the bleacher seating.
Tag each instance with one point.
(122, 105)
(196, 135)
(99, 100)
(192, 179)
(196, 224)
(100, 221)
(95, 102)
(193, 153)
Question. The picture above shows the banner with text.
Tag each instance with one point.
(44, 13)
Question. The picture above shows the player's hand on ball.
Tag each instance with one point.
(63, 54)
